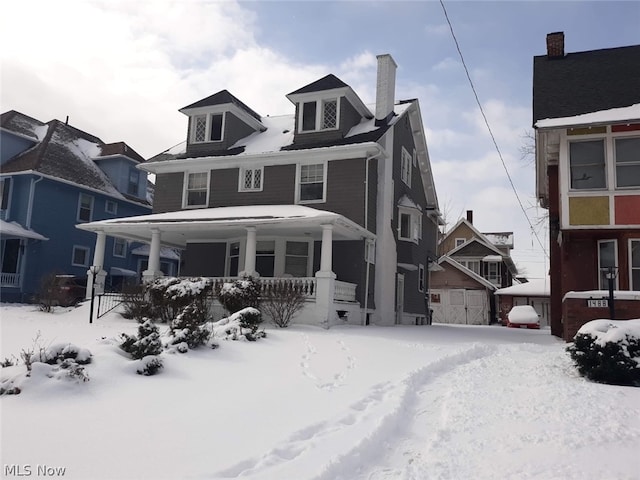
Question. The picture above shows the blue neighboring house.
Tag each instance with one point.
(53, 177)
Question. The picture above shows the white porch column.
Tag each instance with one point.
(325, 311)
(97, 266)
(153, 268)
(326, 253)
(250, 252)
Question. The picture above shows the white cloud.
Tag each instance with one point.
(447, 63)
(440, 29)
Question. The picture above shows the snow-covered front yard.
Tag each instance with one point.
(350, 403)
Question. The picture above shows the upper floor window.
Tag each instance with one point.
(251, 179)
(312, 183)
(196, 190)
(319, 115)
(460, 241)
(207, 128)
(80, 256)
(410, 225)
(587, 164)
(405, 167)
(627, 152)
(473, 265)
(607, 261)
(134, 180)
(634, 264)
(85, 208)
(493, 273)
(111, 207)
(5, 186)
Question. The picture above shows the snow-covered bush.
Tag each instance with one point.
(149, 365)
(242, 293)
(169, 296)
(58, 353)
(146, 343)
(241, 325)
(608, 351)
(188, 329)
(282, 301)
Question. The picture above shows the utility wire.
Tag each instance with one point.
(504, 165)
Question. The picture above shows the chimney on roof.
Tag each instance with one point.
(385, 88)
(66, 122)
(555, 45)
(470, 216)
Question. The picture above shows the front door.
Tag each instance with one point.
(399, 298)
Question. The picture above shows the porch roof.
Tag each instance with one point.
(15, 230)
(223, 223)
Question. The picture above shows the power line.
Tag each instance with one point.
(486, 121)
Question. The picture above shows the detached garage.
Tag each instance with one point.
(459, 295)
(534, 292)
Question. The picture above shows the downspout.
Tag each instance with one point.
(366, 227)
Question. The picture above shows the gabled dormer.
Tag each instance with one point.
(217, 122)
(119, 162)
(326, 110)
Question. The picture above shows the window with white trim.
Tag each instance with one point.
(460, 241)
(587, 165)
(405, 166)
(473, 265)
(134, 180)
(265, 257)
(312, 183)
(80, 256)
(318, 115)
(627, 153)
(634, 264)
(207, 128)
(409, 225)
(111, 207)
(119, 247)
(607, 258)
(296, 258)
(251, 179)
(85, 207)
(421, 278)
(493, 273)
(196, 189)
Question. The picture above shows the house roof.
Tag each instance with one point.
(229, 222)
(221, 98)
(327, 82)
(585, 82)
(23, 125)
(15, 230)
(447, 260)
(533, 288)
(64, 152)
(120, 148)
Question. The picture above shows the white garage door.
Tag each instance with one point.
(459, 306)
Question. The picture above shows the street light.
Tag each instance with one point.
(610, 275)
(94, 269)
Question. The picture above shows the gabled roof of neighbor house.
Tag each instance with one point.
(66, 153)
(585, 82)
(327, 82)
(446, 260)
(532, 288)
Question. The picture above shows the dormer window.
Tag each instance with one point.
(207, 128)
(319, 115)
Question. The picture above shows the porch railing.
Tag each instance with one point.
(9, 279)
(344, 291)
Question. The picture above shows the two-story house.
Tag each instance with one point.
(337, 197)
(52, 177)
(472, 266)
(586, 115)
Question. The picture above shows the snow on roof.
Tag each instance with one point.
(278, 134)
(14, 229)
(500, 239)
(168, 253)
(533, 288)
(405, 201)
(492, 258)
(631, 113)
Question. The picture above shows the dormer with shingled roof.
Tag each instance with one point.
(217, 122)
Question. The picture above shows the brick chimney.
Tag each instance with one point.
(385, 88)
(555, 45)
(470, 216)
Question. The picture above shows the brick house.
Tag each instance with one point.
(337, 197)
(586, 115)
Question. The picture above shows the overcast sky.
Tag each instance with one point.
(121, 70)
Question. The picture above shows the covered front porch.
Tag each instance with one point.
(277, 243)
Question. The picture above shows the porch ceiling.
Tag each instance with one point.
(223, 223)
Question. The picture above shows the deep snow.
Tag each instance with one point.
(352, 403)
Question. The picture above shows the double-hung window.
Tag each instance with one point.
(296, 259)
(319, 115)
(587, 165)
(207, 128)
(634, 264)
(196, 193)
(134, 179)
(312, 183)
(627, 152)
(119, 247)
(251, 179)
(405, 167)
(111, 207)
(607, 262)
(85, 207)
(410, 225)
(80, 256)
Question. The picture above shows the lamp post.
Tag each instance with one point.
(610, 275)
(94, 269)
